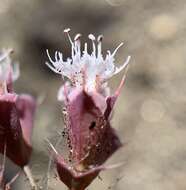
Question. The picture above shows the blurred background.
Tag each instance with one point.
(150, 113)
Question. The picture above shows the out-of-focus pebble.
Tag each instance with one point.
(163, 27)
(152, 110)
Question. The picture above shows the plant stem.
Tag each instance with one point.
(30, 177)
(7, 187)
(50, 164)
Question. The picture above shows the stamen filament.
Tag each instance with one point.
(115, 51)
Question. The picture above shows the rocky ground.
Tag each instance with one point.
(150, 113)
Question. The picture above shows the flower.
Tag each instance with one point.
(90, 71)
(16, 114)
(88, 107)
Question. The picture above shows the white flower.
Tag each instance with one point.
(87, 71)
(7, 68)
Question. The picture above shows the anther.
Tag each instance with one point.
(100, 38)
(91, 37)
(66, 30)
(77, 37)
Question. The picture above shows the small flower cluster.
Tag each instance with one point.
(88, 106)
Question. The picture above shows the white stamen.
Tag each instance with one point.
(56, 55)
(60, 56)
(92, 38)
(50, 59)
(52, 68)
(115, 51)
(77, 44)
(89, 71)
(85, 48)
(99, 39)
(123, 66)
(67, 32)
(72, 44)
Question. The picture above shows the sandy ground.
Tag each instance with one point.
(150, 113)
